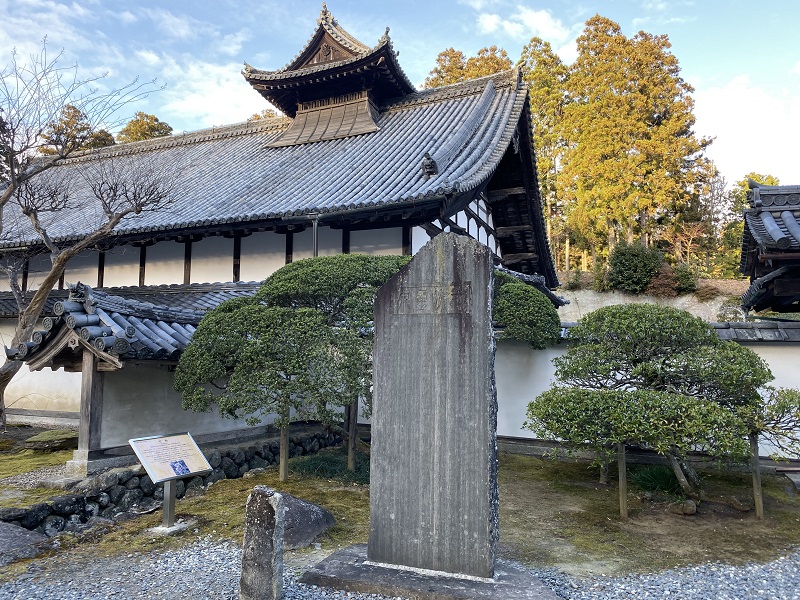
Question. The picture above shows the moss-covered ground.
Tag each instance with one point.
(552, 513)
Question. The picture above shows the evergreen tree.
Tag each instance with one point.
(452, 66)
(143, 127)
(631, 156)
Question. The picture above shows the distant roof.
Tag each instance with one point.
(196, 297)
(117, 328)
(743, 332)
(771, 248)
(231, 178)
(336, 62)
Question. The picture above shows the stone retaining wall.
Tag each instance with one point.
(129, 490)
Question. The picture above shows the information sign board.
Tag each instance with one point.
(168, 457)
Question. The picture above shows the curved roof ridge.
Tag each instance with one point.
(469, 87)
(327, 23)
(180, 139)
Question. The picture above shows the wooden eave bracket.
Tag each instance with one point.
(68, 338)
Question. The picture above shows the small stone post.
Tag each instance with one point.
(262, 550)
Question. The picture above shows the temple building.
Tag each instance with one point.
(360, 161)
(771, 248)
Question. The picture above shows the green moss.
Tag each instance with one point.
(29, 460)
(54, 435)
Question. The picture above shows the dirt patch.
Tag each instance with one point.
(556, 514)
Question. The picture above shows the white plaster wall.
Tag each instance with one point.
(40, 390)
(263, 253)
(83, 268)
(140, 401)
(521, 373)
(38, 268)
(377, 241)
(121, 267)
(329, 243)
(164, 263)
(212, 260)
(783, 360)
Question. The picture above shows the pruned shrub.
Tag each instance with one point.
(632, 266)
(524, 313)
(685, 278)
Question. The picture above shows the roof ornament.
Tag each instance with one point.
(324, 15)
(429, 167)
(247, 68)
(385, 37)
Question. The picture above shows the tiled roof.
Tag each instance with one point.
(771, 248)
(119, 328)
(231, 176)
(196, 297)
(771, 221)
(743, 332)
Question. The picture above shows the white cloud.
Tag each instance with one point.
(148, 57)
(231, 44)
(180, 27)
(543, 24)
(127, 16)
(203, 94)
(488, 23)
(755, 130)
(524, 23)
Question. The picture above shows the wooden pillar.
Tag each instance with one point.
(91, 405)
(187, 262)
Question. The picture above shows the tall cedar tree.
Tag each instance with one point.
(452, 66)
(546, 76)
(631, 156)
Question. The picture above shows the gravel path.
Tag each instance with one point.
(210, 569)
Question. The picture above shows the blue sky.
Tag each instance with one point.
(742, 57)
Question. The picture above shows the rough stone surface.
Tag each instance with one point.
(348, 570)
(53, 440)
(262, 549)
(304, 522)
(433, 492)
(18, 543)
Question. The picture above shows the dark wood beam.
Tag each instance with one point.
(505, 192)
(101, 267)
(142, 264)
(786, 287)
(509, 259)
(91, 404)
(187, 262)
(512, 229)
(237, 258)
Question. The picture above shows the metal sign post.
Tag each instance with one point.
(167, 458)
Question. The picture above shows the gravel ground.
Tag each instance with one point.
(210, 569)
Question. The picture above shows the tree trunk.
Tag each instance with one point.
(679, 474)
(10, 368)
(566, 253)
(604, 472)
(7, 372)
(283, 469)
(351, 436)
(755, 467)
(622, 467)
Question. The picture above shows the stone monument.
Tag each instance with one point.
(433, 490)
(262, 549)
(433, 463)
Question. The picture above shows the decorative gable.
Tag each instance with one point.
(324, 51)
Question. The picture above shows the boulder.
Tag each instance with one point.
(55, 439)
(68, 504)
(17, 543)
(34, 515)
(54, 524)
(687, 507)
(99, 483)
(304, 522)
